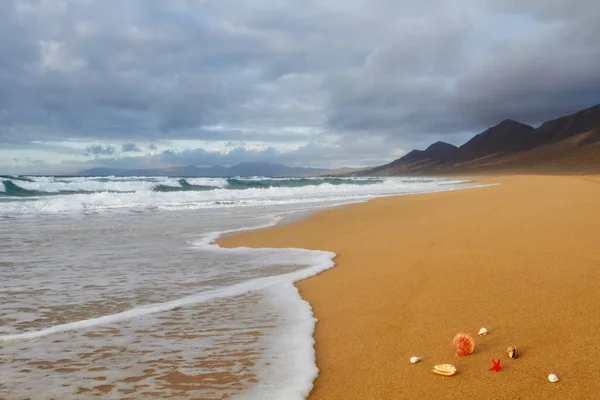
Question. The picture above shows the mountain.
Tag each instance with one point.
(436, 154)
(506, 137)
(577, 154)
(567, 126)
(569, 144)
(242, 169)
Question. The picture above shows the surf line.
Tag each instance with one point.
(317, 261)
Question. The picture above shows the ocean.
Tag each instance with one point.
(110, 287)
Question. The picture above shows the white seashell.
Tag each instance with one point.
(553, 378)
(414, 360)
(444, 369)
(483, 332)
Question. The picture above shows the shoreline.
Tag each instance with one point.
(411, 271)
(286, 218)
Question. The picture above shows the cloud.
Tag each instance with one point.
(152, 147)
(435, 83)
(403, 82)
(322, 154)
(131, 148)
(202, 157)
(314, 75)
(98, 150)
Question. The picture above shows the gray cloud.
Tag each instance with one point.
(130, 148)
(203, 157)
(322, 75)
(549, 71)
(560, 10)
(98, 150)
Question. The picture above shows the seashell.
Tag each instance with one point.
(464, 344)
(482, 332)
(444, 369)
(512, 352)
(553, 378)
(414, 360)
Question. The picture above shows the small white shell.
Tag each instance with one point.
(483, 332)
(553, 378)
(414, 360)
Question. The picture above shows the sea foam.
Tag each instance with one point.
(140, 194)
(291, 369)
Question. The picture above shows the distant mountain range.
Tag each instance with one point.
(242, 169)
(569, 144)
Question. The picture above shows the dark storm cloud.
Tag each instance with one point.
(402, 82)
(322, 74)
(550, 71)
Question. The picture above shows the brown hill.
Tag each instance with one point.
(569, 144)
(437, 154)
(565, 127)
(506, 137)
(576, 154)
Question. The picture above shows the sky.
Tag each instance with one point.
(157, 83)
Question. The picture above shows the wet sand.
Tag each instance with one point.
(521, 259)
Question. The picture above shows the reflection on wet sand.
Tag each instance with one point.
(207, 352)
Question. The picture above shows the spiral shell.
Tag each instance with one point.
(553, 378)
(463, 343)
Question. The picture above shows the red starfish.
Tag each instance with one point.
(496, 366)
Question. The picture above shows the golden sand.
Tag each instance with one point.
(521, 259)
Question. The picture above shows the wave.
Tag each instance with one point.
(50, 195)
(50, 185)
(9, 188)
(184, 186)
(239, 183)
(42, 186)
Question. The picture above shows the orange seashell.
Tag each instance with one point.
(464, 344)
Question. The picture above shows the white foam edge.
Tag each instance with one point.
(319, 261)
(292, 367)
(325, 262)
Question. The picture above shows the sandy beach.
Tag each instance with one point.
(521, 258)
